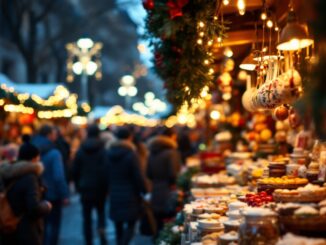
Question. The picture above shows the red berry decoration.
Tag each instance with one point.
(257, 200)
(148, 4)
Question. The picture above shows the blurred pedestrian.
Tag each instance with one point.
(184, 144)
(54, 180)
(126, 186)
(142, 152)
(25, 196)
(90, 176)
(164, 163)
(64, 148)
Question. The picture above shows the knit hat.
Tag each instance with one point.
(27, 151)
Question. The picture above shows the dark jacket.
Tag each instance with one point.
(162, 169)
(125, 182)
(24, 198)
(53, 176)
(90, 170)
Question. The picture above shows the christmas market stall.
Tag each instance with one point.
(249, 75)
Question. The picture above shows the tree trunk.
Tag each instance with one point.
(31, 70)
(30, 57)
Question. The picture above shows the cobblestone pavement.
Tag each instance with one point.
(71, 228)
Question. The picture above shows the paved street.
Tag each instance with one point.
(71, 230)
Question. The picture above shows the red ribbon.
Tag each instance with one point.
(175, 7)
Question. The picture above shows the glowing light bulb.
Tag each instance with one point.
(241, 7)
(201, 34)
(206, 62)
(263, 16)
(226, 2)
(210, 43)
(200, 41)
(269, 23)
(276, 28)
(219, 39)
(201, 24)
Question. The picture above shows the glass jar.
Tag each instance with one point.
(259, 228)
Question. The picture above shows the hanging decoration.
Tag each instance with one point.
(175, 7)
(148, 4)
(182, 33)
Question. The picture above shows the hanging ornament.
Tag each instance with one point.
(175, 7)
(294, 119)
(148, 4)
(281, 113)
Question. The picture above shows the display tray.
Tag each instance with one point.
(298, 198)
(271, 187)
(307, 226)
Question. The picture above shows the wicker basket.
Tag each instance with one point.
(312, 226)
(299, 198)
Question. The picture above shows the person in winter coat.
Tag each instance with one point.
(164, 163)
(62, 145)
(126, 185)
(90, 176)
(25, 197)
(54, 180)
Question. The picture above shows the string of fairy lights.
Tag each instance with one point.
(62, 104)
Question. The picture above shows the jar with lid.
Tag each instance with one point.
(259, 228)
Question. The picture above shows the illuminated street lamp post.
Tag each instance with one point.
(84, 60)
(127, 89)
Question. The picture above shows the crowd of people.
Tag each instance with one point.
(124, 168)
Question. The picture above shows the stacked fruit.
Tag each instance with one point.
(257, 200)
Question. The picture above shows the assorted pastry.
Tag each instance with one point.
(308, 193)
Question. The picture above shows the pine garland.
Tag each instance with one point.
(183, 64)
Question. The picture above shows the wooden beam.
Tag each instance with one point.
(247, 36)
(250, 5)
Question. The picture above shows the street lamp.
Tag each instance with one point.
(84, 60)
(127, 89)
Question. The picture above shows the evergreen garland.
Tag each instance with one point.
(173, 29)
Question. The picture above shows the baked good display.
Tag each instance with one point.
(214, 180)
(231, 225)
(209, 216)
(209, 224)
(211, 238)
(284, 182)
(228, 238)
(290, 238)
(309, 193)
(302, 219)
(209, 192)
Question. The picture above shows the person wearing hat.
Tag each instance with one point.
(90, 176)
(126, 185)
(25, 192)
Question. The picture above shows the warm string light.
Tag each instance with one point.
(67, 113)
(117, 116)
(18, 108)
